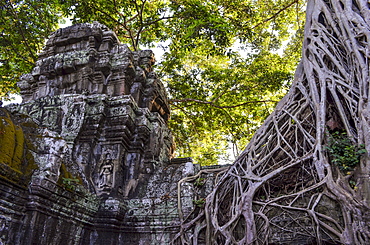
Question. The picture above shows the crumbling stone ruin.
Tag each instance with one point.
(87, 157)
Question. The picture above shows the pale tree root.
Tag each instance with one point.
(285, 186)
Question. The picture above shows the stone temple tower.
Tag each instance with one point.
(90, 157)
(105, 102)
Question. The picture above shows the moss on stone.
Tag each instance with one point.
(7, 138)
(14, 150)
(29, 165)
(65, 174)
(19, 148)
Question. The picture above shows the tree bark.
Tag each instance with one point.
(286, 184)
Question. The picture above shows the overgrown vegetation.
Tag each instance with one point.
(68, 181)
(343, 151)
(199, 202)
(24, 25)
(285, 187)
(12, 140)
(225, 63)
(199, 182)
(71, 184)
(16, 160)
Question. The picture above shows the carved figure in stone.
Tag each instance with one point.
(106, 173)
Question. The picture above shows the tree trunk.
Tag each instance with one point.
(299, 180)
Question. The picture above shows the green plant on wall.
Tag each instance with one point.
(199, 182)
(199, 202)
(343, 151)
(71, 184)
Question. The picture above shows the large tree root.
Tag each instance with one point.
(285, 186)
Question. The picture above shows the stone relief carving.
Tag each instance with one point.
(106, 173)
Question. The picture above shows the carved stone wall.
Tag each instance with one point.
(86, 157)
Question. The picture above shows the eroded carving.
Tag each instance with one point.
(106, 172)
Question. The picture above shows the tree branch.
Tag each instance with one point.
(125, 27)
(172, 101)
(159, 19)
(276, 14)
(15, 14)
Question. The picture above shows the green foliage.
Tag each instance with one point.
(220, 101)
(221, 64)
(135, 22)
(353, 184)
(199, 182)
(343, 151)
(220, 94)
(199, 202)
(68, 180)
(24, 25)
(71, 184)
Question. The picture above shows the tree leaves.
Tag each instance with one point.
(221, 65)
(343, 151)
(24, 27)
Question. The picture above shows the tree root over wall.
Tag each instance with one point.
(286, 185)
